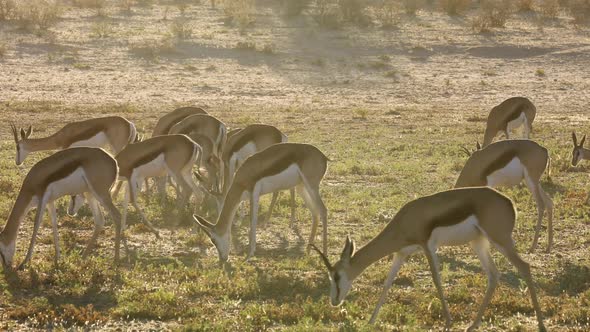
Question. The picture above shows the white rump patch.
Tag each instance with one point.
(507, 176)
(286, 179)
(73, 184)
(516, 122)
(458, 234)
(100, 140)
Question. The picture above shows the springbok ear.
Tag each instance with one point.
(574, 138)
(348, 250)
(477, 146)
(203, 223)
(582, 141)
(29, 131)
(23, 134)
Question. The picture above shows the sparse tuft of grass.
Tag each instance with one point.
(240, 12)
(246, 45)
(540, 72)
(181, 29)
(102, 29)
(152, 49)
(549, 9)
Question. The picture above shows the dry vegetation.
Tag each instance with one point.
(390, 90)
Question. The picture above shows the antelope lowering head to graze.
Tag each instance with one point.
(510, 114)
(203, 124)
(168, 155)
(74, 171)
(112, 131)
(279, 167)
(248, 141)
(479, 216)
(507, 163)
(167, 121)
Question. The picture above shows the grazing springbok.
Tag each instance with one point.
(279, 167)
(248, 141)
(510, 114)
(580, 153)
(203, 124)
(112, 131)
(479, 216)
(170, 119)
(506, 164)
(74, 171)
(160, 156)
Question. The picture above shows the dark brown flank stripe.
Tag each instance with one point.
(63, 172)
(515, 113)
(285, 160)
(242, 141)
(451, 217)
(87, 134)
(144, 159)
(498, 163)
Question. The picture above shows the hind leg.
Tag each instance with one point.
(133, 191)
(98, 224)
(481, 246)
(534, 187)
(506, 247)
(53, 215)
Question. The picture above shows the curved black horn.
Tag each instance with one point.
(466, 151)
(324, 258)
(14, 132)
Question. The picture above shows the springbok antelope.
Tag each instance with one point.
(74, 171)
(167, 121)
(280, 166)
(478, 216)
(248, 141)
(168, 155)
(112, 131)
(203, 124)
(507, 163)
(510, 114)
(580, 153)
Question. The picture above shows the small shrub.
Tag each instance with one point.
(540, 72)
(327, 14)
(353, 10)
(102, 29)
(181, 29)
(268, 48)
(153, 49)
(412, 6)
(292, 8)
(524, 5)
(3, 49)
(549, 8)
(492, 14)
(387, 14)
(455, 7)
(579, 10)
(36, 14)
(7, 9)
(245, 45)
(240, 12)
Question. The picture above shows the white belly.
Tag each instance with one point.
(509, 175)
(516, 122)
(458, 234)
(99, 140)
(155, 168)
(242, 154)
(286, 179)
(72, 184)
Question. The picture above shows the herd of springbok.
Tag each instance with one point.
(243, 164)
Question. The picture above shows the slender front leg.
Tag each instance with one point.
(133, 190)
(53, 215)
(254, 196)
(398, 261)
(38, 218)
(433, 262)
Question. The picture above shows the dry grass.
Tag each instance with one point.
(579, 10)
(181, 29)
(525, 5)
(240, 12)
(33, 15)
(412, 6)
(455, 7)
(549, 8)
(7, 9)
(491, 14)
